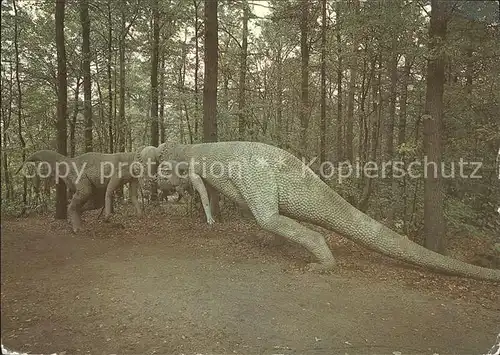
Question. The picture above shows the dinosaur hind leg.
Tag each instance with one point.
(313, 241)
(262, 200)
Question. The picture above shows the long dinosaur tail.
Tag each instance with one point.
(348, 221)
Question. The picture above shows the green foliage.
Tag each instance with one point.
(463, 220)
(371, 33)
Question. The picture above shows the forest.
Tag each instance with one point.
(394, 104)
(343, 81)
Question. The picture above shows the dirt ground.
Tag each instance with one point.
(174, 285)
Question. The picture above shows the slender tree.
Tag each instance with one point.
(243, 71)
(62, 103)
(72, 123)
(87, 84)
(353, 73)
(281, 136)
(120, 124)
(210, 87)
(323, 83)
(434, 223)
(304, 86)
(109, 60)
(339, 135)
(197, 25)
(402, 133)
(389, 128)
(162, 98)
(6, 119)
(154, 75)
(154, 87)
(19, 102)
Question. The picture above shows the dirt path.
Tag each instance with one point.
(176, 286)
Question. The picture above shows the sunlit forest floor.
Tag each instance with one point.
(170, 284)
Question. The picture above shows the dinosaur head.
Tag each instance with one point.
(172, 173)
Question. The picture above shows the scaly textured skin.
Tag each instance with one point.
(175, 177)
(90, 178)
(280, 190)
(148, 157)
(177, 174)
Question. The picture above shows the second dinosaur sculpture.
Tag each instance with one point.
(88, 177)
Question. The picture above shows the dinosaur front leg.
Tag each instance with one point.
(113, 184)
(74, 209)
(258, 187)
(134, 190)
(199, 185)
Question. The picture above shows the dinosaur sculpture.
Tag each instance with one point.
(122, 169)
(174, 174)
(167, 189)
(148, 158)
(42, 174)
(280, 190)
(88, 177)
(151, 155)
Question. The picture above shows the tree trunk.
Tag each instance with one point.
(389, 134)
(115, 100)
(353, 72)
(72, 123)
(87, 85)
(62, 104)
(225, 92)
(322, 148)
(5, 167)
(120, 125)
(110, 86)
(210, 88)
(375, 126)
(154, 77)
(340, 140)
(279, 104)
(363, 121)
(196, 67)
(182, 85)
(19, 105)
(304, 86)
(389, 126)
(6, 119)
(434, 223)
(243, 71)
(403, 102)
(162, 98)
(349, 131)
(402, 134)
(100, 128)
